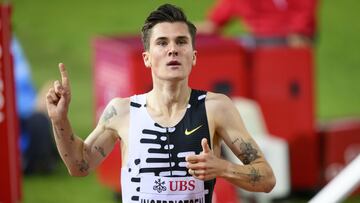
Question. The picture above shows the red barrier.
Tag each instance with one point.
(220, 67)
(119, 71)
(282, 83)
(225, 192)
(10, 176)
(340, 141)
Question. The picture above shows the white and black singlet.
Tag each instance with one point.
(156, 171)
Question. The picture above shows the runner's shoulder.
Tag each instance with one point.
(121, 105)
(218, 101)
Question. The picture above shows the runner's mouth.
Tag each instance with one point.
(173, 63)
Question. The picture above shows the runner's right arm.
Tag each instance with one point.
(79, 156)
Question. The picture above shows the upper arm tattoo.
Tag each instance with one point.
(247, 152)
(109, 113)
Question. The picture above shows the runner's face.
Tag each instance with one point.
(170, 55)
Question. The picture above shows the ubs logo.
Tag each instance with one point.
(159, 186)
(182, 185)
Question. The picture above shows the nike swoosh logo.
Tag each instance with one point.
(192, 131)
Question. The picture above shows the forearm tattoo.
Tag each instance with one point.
(60, 132)
(109, 113)
(247, 152)
(254, 175)
(83, 165)
(101, 151)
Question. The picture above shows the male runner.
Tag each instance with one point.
(170, 136)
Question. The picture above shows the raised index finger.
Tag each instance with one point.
(64, 76)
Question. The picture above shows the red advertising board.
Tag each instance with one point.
(340, 144)
(282, 83)
(9, 150)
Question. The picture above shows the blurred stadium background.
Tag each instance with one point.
(61, 31)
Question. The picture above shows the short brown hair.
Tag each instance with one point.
(165, 13)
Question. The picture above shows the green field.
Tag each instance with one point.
(61, 31)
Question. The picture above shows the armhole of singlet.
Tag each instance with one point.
(137, 99)
(133, 99)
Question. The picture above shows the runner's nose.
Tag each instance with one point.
(173, 50)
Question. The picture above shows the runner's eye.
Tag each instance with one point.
(182, 41)
(161, 43)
